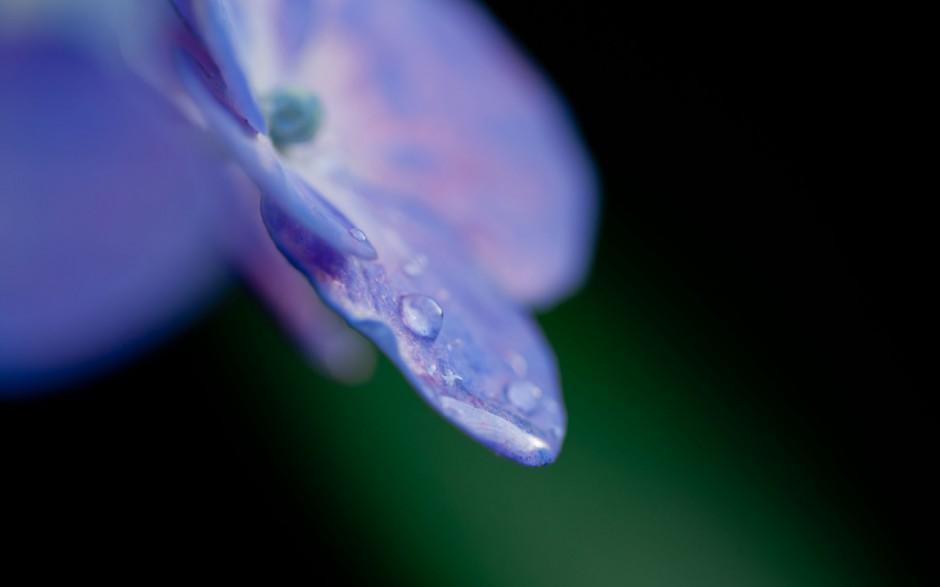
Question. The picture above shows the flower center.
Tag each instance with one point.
(293, 116)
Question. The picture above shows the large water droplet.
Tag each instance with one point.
(421, 315)
(357, 234)
(524, 394)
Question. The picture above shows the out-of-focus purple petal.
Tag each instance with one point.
(211, 21)
(428, 99)
(106, 215)
(271, 37)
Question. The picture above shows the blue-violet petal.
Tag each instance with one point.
(106, 216)
(211, 21)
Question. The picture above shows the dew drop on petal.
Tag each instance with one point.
(357, 234)
(518, 363)
(524, 394)
(552, 407)
(421, 315)
(415, 265)
(451, 378)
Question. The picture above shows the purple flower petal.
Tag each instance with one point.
(427, 207)
(106, 215)
(428, 99)
(261, 162)
(327, 341)
(466, 347)
(211, 23)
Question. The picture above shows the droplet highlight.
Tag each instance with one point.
(415, 266)
(357, 234)
(524, 394)
(421, 315)
(451, 378)
(518, 363)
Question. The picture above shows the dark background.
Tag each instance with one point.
(739, 370)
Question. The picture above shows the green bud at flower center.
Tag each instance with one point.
(293, 116)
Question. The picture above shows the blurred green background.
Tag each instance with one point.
(741, 406)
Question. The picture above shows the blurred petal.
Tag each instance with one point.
(211, 22)
(106, 215)
(271, 37)
(428, 99)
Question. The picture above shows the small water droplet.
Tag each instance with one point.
(524, 394)
(518, 364)
(451, 378)
(357, 234)
(421, 315)
(415, 265)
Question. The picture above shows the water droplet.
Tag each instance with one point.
(524, 394)
(415, 265)
(451, 378)
(518, 364)
(357, 234)
(421, 315)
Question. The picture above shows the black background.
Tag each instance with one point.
(761, 161)
(750, 162)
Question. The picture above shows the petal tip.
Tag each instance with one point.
(502, 436)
